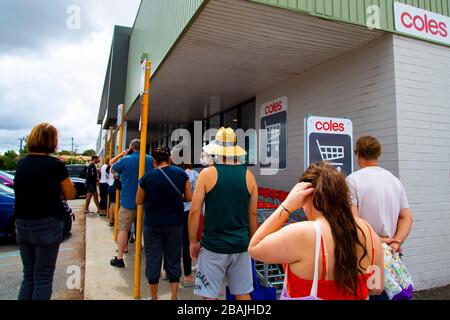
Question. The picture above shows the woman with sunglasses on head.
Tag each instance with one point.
(349, 256)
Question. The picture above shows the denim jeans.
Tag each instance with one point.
(162, 243)
(39, 245)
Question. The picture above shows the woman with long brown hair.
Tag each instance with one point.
(349, 253)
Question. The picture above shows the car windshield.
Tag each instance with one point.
(7, 175)
(6, 191)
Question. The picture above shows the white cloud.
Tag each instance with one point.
(61, 83)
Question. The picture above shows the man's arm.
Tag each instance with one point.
(252, 204)
(404, 226)
(117, 158)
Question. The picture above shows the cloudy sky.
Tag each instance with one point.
(52, 65)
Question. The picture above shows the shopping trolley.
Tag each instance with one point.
(272, 275)
(331, 153)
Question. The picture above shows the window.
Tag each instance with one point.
(231, 119)
(214, 122)
(248, 116)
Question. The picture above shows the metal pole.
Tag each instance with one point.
(71, 160)
(140, 208)
(116, 207)
(21, 143)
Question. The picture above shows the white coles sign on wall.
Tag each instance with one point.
(273, 147)
(331, 140)
(421, 23)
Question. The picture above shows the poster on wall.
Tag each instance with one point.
(119, 115)
(273, 145)
(329, 139)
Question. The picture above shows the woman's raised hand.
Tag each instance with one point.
(297, 197)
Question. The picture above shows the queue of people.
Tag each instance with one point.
(333, 255)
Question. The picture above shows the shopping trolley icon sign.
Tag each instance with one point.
(330, 140)
(274, 148)
(331, 153)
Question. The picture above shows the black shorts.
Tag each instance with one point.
(112, 194)
(91, 188)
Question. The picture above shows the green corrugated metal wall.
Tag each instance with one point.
(354, 11)
(158, 25)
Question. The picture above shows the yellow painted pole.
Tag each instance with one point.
(116, 207)
(106, 147)
(143, 153)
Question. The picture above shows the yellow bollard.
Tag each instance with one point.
(143, 152)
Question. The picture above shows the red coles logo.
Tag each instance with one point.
(424, 24)
(274, 108)
(330, 126)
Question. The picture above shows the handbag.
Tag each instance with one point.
(315, 285)
(173, 184)
(117, 184)
(398, 283)
(260, 293)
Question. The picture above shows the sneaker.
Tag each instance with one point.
(118, 263)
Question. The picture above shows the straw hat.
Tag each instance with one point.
(225, 144)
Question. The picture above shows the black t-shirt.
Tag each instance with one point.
(37, 186)
(91, 174)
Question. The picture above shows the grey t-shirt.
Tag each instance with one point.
(379, 196)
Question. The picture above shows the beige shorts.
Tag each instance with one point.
(126, 219)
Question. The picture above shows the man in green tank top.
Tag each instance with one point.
(230, 195)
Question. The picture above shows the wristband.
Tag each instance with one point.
(284, 208)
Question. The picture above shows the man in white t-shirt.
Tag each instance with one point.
(378, 196)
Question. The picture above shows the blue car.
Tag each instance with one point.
(7, 214)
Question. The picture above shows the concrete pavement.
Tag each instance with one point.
(104, 282)
(71, 254)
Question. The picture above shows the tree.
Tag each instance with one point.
(65, 153)
(89, 153)
(9, 160)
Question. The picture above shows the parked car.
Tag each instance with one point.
(8, 217)
(80, 187)
(6, 179)
(69, 217)
(7, 213)
(77, 170)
